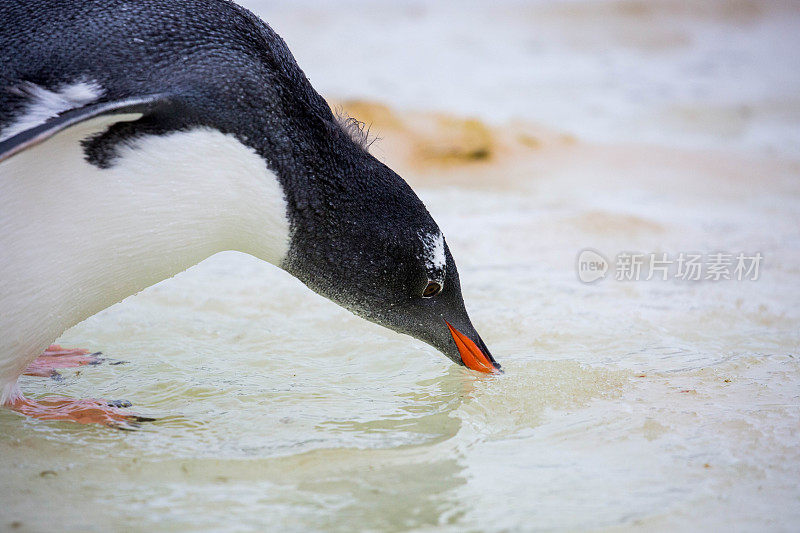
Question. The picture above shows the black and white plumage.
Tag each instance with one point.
(139, 137)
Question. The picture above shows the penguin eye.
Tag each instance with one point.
(431, 290)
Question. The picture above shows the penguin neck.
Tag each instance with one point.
(166, 203)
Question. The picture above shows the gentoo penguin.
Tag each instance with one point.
(139, 137)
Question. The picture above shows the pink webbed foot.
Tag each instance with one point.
(89, 411)
(57, 357)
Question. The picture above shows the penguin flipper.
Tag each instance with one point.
(129, 109)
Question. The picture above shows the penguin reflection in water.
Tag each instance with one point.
(139, 137)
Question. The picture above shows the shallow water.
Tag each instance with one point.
(664, 403)
(644, 403)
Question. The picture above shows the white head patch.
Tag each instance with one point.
(44, 104)
(435, 259)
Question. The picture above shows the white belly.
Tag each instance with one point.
(77, 239)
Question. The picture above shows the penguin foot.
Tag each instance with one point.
(57, 357)
(90, 411)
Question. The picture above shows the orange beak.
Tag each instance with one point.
(472, 356)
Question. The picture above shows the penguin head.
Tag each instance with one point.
(369, 244)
